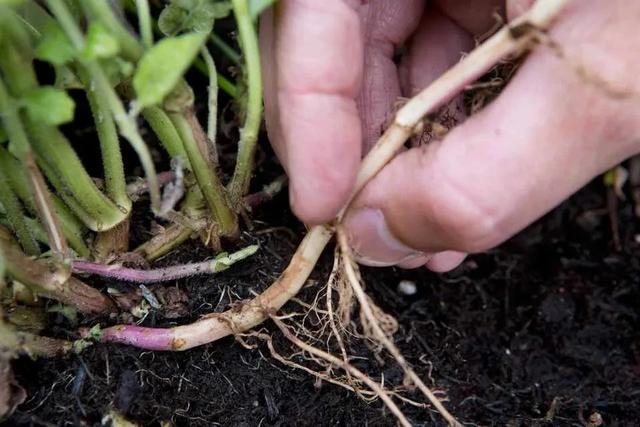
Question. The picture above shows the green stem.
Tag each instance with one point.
(212, 118)
(16, 218)
(101, 11)
(126, 123)
(166, 132)
(144, 21)
(224, 47)
(212, 189)
(115, 182)
(174, 235)
(239, 185)
(54, 152)
(39, 191)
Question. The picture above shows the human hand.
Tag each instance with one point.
(331, 85)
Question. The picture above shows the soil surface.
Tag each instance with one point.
(541, 331)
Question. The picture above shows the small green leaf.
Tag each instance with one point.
(163, 65)
(256, 7)
(191, 15)
(49, 105)
(54, 46)
(99, 43)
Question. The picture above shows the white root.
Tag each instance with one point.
(375, 387)
(379, 334)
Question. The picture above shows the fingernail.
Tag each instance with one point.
(372, 241)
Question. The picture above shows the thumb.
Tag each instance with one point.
(546, 135)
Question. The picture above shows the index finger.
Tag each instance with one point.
(312, 62)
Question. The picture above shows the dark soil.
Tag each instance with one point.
(541, 331)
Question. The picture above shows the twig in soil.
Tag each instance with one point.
(165, 274)
(373, 322)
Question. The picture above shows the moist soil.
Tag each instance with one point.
(540, 331)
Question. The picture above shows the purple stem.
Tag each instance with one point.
(143, 276)
(139, 336)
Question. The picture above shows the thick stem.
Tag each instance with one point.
(39, 190)
(238, 319)
(195, 144)
(239, 185)
(166, 132)
(55, 154)
(51, 281)
(126, 123)
(15, 343)
(15, 215)
(165, 274)
(115, 182)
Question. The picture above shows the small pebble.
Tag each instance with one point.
(407, 287)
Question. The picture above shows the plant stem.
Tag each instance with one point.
(239, 185)
(54, 153)
(15, 343)
(177, 233)
(163, 274)
(113, 165)
(126, 124)
(212, 113)
(224, 47)
(52, 281)
(39, 190)
(238, 319)
(144, 19)
(15, 215)
(101, 11)
(166, 132)
(194, 142)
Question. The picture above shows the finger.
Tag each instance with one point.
(475, 16)
(445, 261)
(386, 25)
(313, 71)
(545, 136)
(516, 8)
(435, 47)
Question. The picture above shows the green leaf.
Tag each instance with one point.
(99, 43)
(11, 3)
(192, 15)
(163, 65)
(256, 7)
(54, 46)
(49, 105)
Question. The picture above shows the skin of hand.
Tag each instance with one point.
(331, 85)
